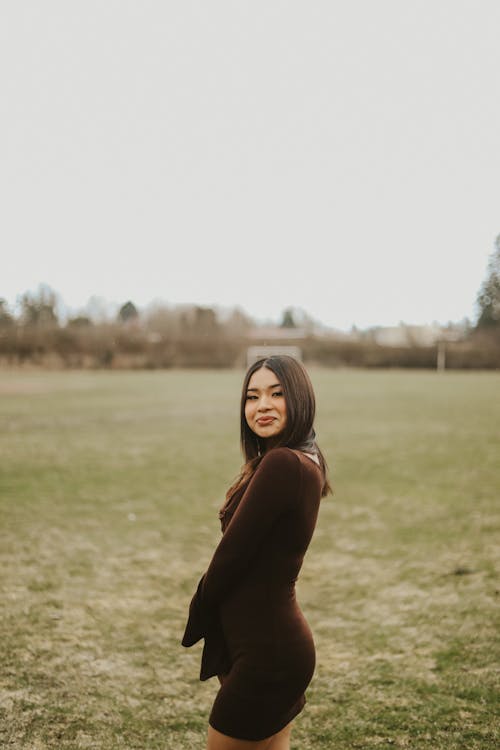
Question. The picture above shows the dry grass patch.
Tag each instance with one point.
(110, 485)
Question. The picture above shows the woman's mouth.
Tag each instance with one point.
(265, 420)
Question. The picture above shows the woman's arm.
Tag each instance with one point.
(273, 490)
(196, 626)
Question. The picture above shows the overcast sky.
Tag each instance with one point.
(338, 156)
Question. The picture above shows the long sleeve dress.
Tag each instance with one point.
(245, 605)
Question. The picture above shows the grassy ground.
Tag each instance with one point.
(110, 485)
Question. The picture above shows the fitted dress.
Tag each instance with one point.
(245, 605)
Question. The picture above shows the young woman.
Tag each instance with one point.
(256, 638)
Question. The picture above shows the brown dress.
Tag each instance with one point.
(245, 605)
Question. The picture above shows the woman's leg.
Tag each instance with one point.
(281, 741)
(218, 741)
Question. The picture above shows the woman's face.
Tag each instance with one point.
(265, 406)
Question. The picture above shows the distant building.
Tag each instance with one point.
(407, 335)
(310, 329)
(274, 333)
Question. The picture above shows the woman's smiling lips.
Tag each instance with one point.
(265, 420)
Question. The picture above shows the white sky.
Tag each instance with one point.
(339, 156)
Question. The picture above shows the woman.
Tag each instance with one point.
(256, 638)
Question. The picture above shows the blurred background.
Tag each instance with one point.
(183, 180)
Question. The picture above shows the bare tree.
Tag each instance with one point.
(39, 308)
(6, 319)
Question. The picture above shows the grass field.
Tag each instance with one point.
(110, 485)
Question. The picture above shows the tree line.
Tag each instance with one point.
(198, 336)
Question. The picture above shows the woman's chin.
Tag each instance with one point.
(266, 434)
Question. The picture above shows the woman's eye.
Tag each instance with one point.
(251, 398)
(277, 393)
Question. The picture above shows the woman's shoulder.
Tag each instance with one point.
(290, 463)
(279, 467)
(282, 456)
(282, 461)
(291, 468)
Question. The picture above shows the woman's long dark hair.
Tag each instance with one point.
(300, 410)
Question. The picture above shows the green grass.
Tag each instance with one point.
(110, 485)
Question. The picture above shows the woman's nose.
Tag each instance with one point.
(264, 403)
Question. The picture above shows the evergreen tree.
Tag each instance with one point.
(127, 312)
(288, 319)
(488, 298)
